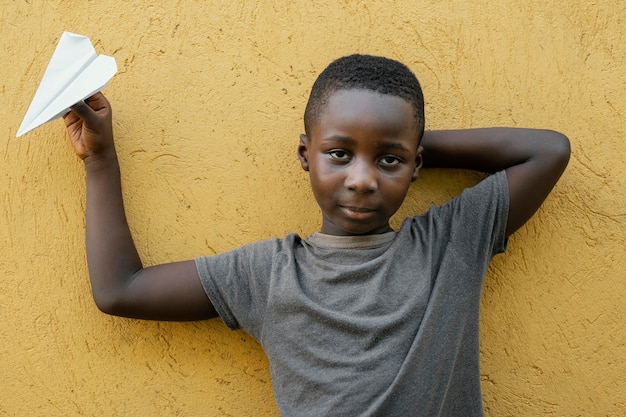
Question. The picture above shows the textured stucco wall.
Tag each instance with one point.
(208, 106)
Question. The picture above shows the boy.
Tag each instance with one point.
(357, 319)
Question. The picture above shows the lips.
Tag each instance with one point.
(356, 212)
(358, 209)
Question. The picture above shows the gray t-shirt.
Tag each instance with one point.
(378, 325)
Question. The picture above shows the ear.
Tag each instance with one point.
(418, 163)
(303, 151)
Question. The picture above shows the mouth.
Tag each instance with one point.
(357, 212)
(358, 209)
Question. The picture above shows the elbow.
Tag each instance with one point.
(106, 305)
(111, 304)
(558, 148)
(112, 293)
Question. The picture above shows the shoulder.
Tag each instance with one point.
(478, 215)
(237, 281)
(490, 192)
(259, 250)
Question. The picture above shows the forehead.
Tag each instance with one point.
(366, 109)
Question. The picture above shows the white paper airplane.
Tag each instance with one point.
(75, 72)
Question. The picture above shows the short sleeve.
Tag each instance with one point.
(237, 283)
(479, 217)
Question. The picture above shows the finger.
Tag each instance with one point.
(84, 111)
(87, 107)
(73, 124)
(97, 101)
(70, 117)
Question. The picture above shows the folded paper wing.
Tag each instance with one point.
(75, 72)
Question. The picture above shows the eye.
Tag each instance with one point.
(389, 161)
(339, 155)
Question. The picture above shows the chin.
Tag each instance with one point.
(356, 230)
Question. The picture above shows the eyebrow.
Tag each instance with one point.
(349, 141)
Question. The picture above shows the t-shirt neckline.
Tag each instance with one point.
(350, 242)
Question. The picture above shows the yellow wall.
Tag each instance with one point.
(208, 106)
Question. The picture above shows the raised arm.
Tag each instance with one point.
(533, 159)
(120, 284)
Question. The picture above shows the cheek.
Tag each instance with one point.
(323, 184)
(395, 189)
(324, 174)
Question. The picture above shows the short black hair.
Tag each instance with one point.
(365, 72)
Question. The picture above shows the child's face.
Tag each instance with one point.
(361, 155)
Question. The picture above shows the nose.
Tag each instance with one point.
(361, 177)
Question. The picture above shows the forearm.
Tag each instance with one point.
(120, 285)
(111, 253)
(488, 149)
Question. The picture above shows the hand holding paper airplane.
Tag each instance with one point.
(74, 73)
